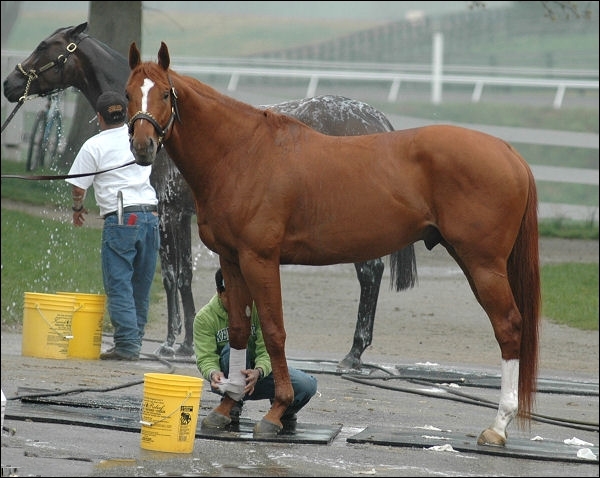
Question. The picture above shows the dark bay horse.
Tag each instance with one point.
(72, 58)
(269, 190)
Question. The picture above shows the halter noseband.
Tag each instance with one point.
(33, 74)
(161, 132)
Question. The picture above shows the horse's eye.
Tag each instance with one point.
(166, 95)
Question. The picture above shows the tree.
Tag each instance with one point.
(10, 12)
(117, 24)
(567, 10)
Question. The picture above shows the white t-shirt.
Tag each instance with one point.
(108, 149)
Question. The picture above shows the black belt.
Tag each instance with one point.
(135, 208)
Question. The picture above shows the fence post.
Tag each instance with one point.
(436, 68)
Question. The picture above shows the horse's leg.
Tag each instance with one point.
(497, 300)
(263, 280)
(369, 277)
(492, 290)
(239, 312)
(167, 252)
(184, 284)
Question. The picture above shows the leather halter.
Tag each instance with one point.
(160, 131)
(34, 74)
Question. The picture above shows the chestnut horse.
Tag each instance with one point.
(71, 57)
(269, 190)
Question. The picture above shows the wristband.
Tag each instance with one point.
(77, 209)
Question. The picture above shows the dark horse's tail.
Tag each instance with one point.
(403, 268)
(524, 279)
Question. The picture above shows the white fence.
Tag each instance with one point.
(395, 75)
(395, 79)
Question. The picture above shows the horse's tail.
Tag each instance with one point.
(403, 268)
(524, 279)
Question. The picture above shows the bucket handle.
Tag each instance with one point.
(149, 424)
(51, 326)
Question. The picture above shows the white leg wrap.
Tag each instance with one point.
(509, 386)
(236, 382)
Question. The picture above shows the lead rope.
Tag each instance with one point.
(14, 111)
(30, 77)
(64, 176)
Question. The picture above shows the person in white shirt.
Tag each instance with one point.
(130, 235)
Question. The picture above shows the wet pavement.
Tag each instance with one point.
(424, 400)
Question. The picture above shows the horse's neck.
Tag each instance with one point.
(227, 119)
(104, 70)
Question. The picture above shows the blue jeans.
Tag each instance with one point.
(304, 385)
(129, 255)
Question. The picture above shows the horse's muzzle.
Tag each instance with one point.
(144, 155)
(14, 87)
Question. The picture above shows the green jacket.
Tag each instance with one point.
(211, 334)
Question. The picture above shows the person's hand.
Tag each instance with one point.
(252, 376)
(215, 379)
(79, 218)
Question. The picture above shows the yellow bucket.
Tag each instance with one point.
(170, 411)
(87, 325)
(47, 325)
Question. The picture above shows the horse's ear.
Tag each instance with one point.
(80, 28)
(164, 60)
(134, 56)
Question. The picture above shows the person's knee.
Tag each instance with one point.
(307, 385)
(311, 386)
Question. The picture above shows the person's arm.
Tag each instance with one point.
(78, 195)
(84, 162)
(205, 342)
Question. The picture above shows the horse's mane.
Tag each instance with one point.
(273, 118)
(106, 48)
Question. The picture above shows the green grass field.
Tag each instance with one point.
(46, 256)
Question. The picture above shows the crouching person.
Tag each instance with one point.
(211, 346)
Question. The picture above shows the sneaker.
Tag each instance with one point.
(112, 354)
(289, 423)
(236, 412)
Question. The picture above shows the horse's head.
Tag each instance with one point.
(48, 68)
(152, 104)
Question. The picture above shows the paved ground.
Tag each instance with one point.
(39, 448)
(436, 324)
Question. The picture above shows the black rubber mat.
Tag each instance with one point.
(96, 410)
(515, 447)
(308, 433)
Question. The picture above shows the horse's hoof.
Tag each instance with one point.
(214, 421)
(349, 363)
(266, 429)
(165, 351)
(185, 350)
(490, 437)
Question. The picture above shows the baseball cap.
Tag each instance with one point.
(112, 107)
